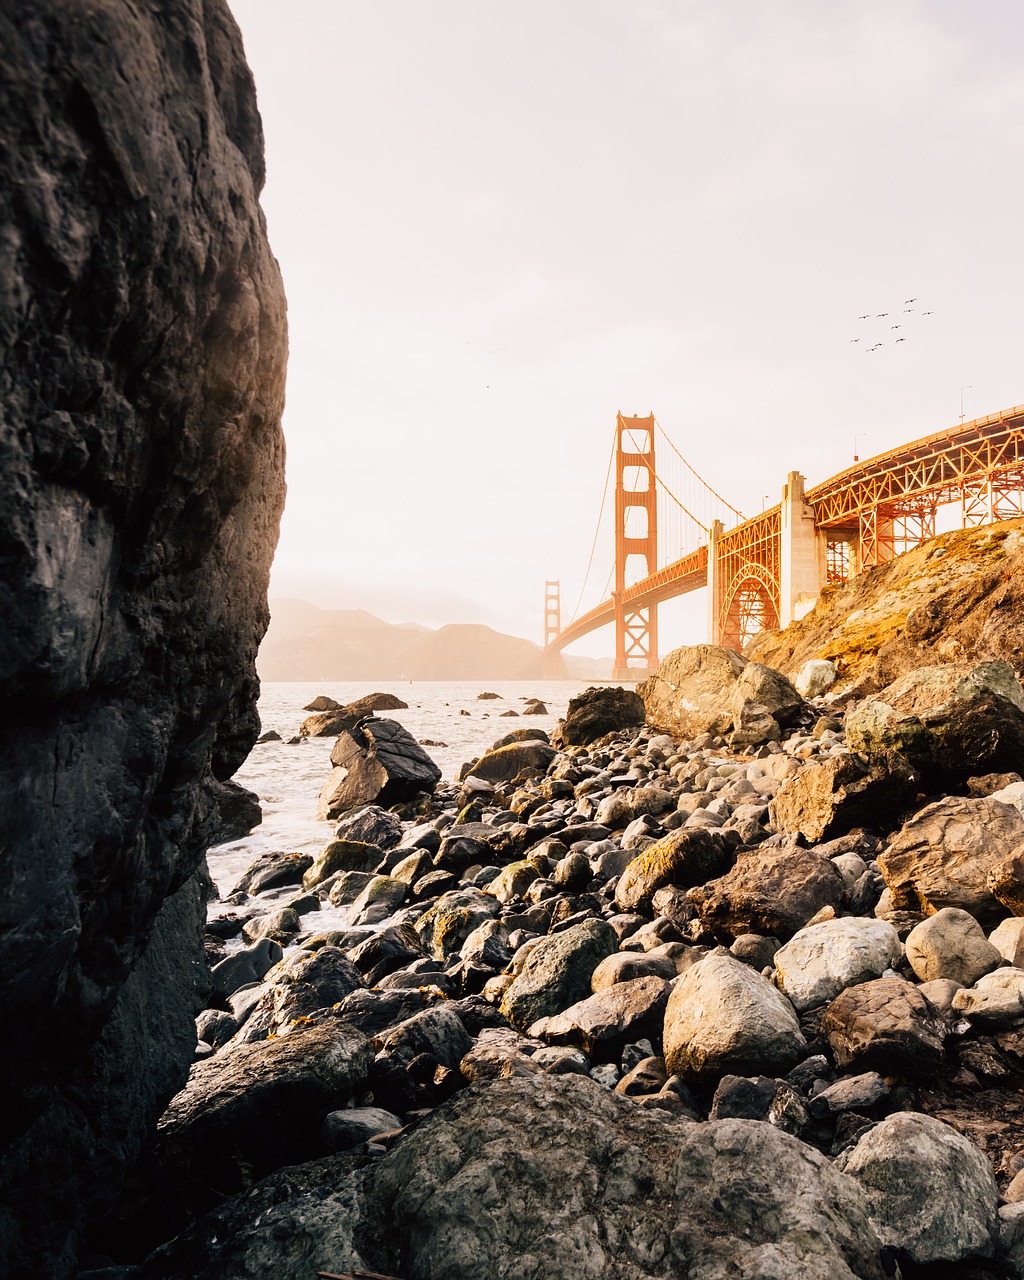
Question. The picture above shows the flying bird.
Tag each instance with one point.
(881, 314)
(907, 310)
(863, 317)
(927, 313)
(901, 339)
(855, 339)
(895, 326)
(906, 300)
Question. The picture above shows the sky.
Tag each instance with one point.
(501, 222)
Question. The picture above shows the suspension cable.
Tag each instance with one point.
(597, 531)
(668, 439)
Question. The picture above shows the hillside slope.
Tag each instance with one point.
(956, 598)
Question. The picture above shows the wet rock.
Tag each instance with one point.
(281, 925)
(943, 855)
(215, 1027)
(437, 1031)
(376, 762)
(375, 1011)
(448, 922)
(770, 891)
(828, 798)
(508, 762)
(245, 966)
(237, 812)
(307, 985)
(343, 1130)
(821, 961)
(378, 900)
(272, 870)
(860, 1093)
(722, 1017)
(684, 857)
(384, 952)
(951, 944)
(371, 825)
(597, 712)
(886, 1025)
(931, 1191)
(605, 1022)
(557, 972)
(341, 855)
(335, 719)
(247, 1112)
(322, 703)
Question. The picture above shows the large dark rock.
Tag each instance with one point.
(142, 324)
(596, 712)
(375, 762)
(253, 1108)
(332, 720)
(611, 1192)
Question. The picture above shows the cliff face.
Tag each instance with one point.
(958, 598)
(142, 323)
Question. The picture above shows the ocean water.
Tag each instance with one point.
(288, 778)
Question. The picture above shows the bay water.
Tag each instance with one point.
(288, 777)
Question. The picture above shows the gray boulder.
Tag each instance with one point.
(557, 972)
(951, 944)
(597, 712)
(723, 1017)
(931, 1192)
(602, 1024)
(691, 692)
(820, 961)
(343, 1130)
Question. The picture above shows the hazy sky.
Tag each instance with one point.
(499, 223)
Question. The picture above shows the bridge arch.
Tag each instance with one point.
(750, 604)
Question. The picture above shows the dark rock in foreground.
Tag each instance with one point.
(596, 712)
(143, 328)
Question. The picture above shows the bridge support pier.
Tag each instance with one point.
(802, 558)
(714, 584)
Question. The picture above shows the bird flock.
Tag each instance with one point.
(907, 310)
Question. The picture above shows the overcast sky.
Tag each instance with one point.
(499, 223)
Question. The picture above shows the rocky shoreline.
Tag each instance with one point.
(732, 999)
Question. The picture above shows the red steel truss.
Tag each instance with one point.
(747, 574)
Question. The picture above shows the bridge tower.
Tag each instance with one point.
(636, 535)
(552, 664)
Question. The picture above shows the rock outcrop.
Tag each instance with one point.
(143, 324)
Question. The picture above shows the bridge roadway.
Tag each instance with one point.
(939, 468)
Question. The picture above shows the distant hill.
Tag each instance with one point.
(305, 642)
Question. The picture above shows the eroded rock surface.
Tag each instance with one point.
(143, 324)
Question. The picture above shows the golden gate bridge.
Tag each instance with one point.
(675, 534)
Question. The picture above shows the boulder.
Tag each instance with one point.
(829, 798)
(322, 703)
(376, 762)
(625, 966)
(142, 321)
(309, 984)
(995, 1001)
(613, 1194)
(341, 855)
(597, 712)
(343, 1130)
(437, 1031)
(250, 1110)
(238, 811)
(683, 857)
(771, 891)
(520, 735)
(723, 1017)
(1005, 881)
(371, 825)
(886, 1025)
(942, 856)
(447, 923)
(949, 722)
(691, 692)
(505, 763)
(602, 1024)
(1008, 940)
(769, 689)
(932, 1194)
(951, 944)
(557, 972)
(335, 719)
(824, 959)
(814, 677)
(272, 871)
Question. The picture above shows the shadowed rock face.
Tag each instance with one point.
(142, 322)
